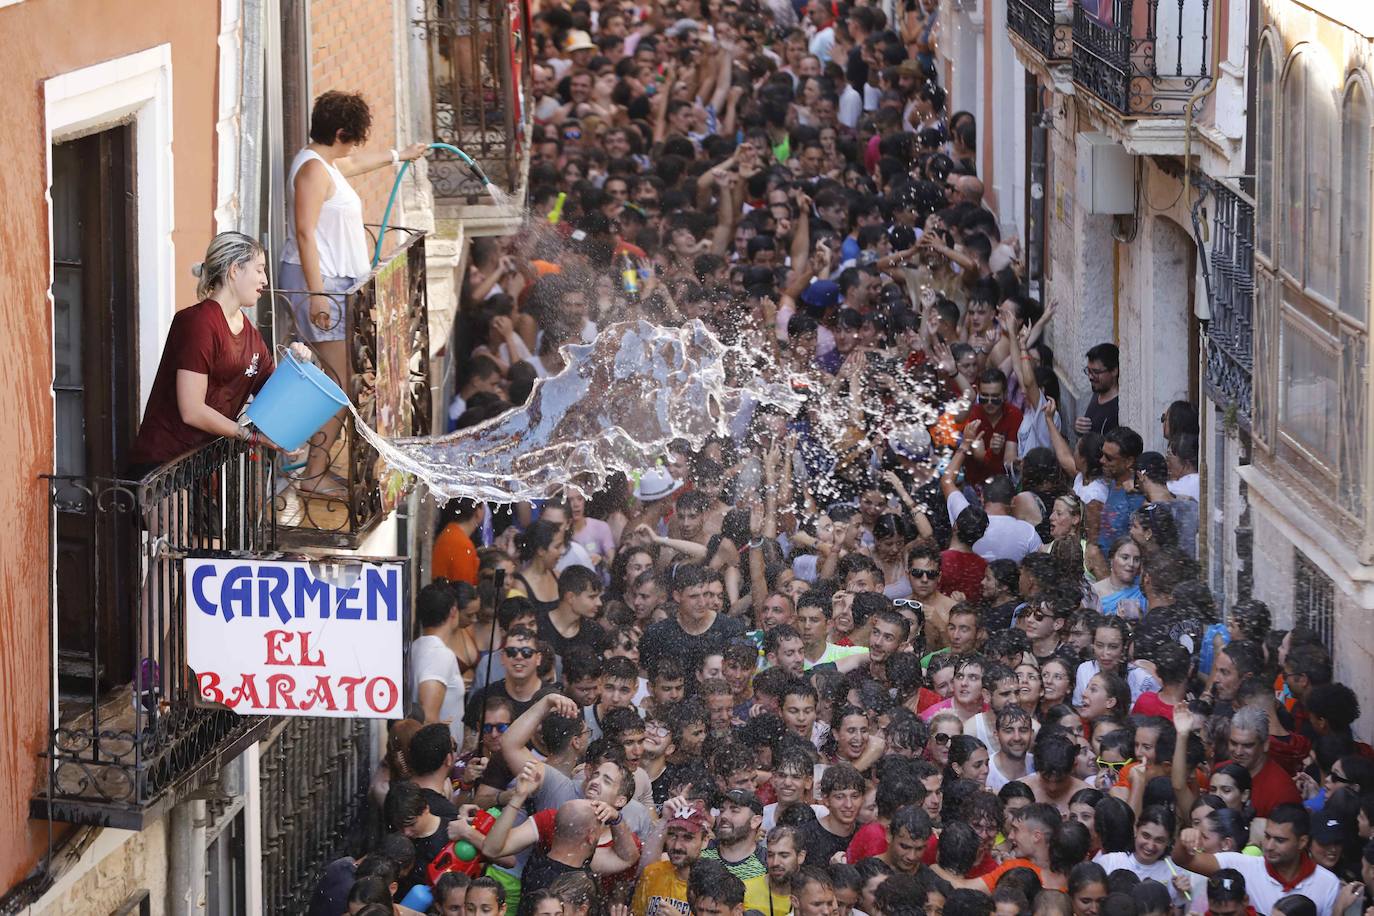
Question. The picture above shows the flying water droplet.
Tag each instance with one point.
(616, 406)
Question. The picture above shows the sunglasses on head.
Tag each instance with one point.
(520, 651)
(498, 728)
(924, 574)
(911, 603)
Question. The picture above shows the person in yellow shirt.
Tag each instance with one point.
(662, 889)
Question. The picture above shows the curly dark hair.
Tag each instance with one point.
(341, 115)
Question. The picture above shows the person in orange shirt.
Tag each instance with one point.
(455, 555)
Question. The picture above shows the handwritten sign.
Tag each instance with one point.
(297, 638)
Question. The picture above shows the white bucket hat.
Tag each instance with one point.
(656, 483)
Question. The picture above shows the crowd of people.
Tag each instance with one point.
(923, 645)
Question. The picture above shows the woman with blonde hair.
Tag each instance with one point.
(214, 359)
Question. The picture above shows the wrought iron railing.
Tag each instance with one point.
(1046, 25)
(315, 776)
(1229, 278)
(478, 80)
(340, 490)
(127, 733)
(1143, 57)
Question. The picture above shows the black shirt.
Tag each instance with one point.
(427, 849)
(820, 844)
(473, 712)
(1000, 617)
(440, 804)
(540, 873)
(331, 894)
(589, 636)
(667, 637)
(1102, 416)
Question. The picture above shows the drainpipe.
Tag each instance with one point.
(186, 891)
(251, 115)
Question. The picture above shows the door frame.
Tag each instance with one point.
(135, 87)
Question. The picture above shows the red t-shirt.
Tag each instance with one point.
(1150, 704)
(984, 865)
(1269, 788)
(868, 840)
(977, 472)
(962, 572)
(200, 341)
(544, 823)
(1289, 751)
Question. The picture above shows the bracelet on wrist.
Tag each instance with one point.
(395, 157)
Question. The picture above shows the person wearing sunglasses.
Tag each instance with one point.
(992, 448)
(923, 572)
(521, 657)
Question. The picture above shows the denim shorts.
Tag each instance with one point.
(291, 277)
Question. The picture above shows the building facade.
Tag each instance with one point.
(133, 137)
(1233, 271)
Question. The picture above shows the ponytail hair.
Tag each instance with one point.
(226, 250)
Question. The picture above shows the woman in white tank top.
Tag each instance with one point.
(327, 250)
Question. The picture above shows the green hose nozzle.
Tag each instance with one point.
(396, 186)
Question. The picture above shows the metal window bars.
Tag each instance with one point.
(1143, 57)
(341, 490)
(127, 731)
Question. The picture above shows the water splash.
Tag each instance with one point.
(498, 196)
(616, 406)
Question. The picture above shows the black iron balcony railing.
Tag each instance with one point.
(479, 74)
(1144, 58)
(339, 491)
(1229, 278)
(315, 777)
(127, 734)
(1045, 25)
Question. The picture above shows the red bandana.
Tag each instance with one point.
(1306, 867)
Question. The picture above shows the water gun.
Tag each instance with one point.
(462, 856)
(556, 213)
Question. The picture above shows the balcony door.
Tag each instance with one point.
(95, 394)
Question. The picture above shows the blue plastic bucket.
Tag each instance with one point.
(296, 401)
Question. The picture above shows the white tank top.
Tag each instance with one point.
(339, 233)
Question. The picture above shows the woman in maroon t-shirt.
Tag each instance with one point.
(213, 361)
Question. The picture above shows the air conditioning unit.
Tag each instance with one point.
(1106, 175)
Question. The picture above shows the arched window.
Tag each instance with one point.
(1357, 121)
(1292, 167)
(1323, 168)
(1264, 143)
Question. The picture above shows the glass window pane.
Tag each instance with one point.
(1323, 137)
(1309, 392)
(1264, 141)
(1291, 170)
(1355, 204)
(1265, 358)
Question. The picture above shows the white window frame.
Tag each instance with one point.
(137, 89)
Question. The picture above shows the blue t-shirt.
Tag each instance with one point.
(1116, 515)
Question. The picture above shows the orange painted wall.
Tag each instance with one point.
(44, 38)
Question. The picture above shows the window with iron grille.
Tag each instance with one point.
(1314, 599)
